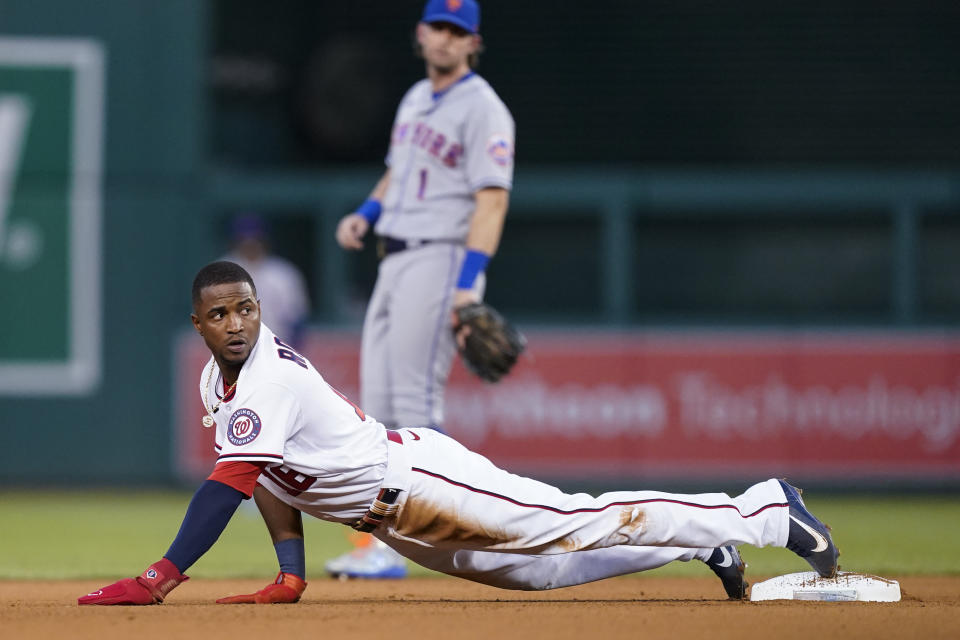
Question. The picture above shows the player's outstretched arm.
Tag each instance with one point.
(283, 521)
(285, 525)
(210, 510)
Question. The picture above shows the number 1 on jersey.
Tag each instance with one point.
(423, 184)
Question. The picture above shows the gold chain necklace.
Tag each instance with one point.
(208, 419)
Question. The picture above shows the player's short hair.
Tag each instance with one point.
(220, 272)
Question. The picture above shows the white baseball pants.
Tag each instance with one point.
(460, 514)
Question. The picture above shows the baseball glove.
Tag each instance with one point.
(488, 344)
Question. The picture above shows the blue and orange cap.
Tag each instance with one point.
(463, 13)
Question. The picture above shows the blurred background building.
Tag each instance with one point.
(752, 206)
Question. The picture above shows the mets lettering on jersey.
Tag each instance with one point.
(425, 137)
(244, 427)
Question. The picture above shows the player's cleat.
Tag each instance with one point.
(375, 560)
(808, 537)
(729, 566)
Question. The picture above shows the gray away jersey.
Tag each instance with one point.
(443, 149)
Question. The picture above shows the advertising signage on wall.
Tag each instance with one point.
(51, 120)
(593, 405)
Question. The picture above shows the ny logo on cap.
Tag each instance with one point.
(454, 5)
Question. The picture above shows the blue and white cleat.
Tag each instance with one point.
(374, 561)
(729, 567)
(808, 537)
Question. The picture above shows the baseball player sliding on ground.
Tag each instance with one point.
(282, 431)
(438, 212)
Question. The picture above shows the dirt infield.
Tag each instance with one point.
(631, 607)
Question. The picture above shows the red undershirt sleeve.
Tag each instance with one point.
(242, 476)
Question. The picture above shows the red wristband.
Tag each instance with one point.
(160, 578)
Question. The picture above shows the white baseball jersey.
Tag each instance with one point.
(445, 146)
(285, 414)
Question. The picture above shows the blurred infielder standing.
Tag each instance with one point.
(438, 212)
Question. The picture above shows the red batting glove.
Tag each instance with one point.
(126, 591)
(286, 589)
(151, 587)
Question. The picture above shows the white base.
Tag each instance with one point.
(846, 587)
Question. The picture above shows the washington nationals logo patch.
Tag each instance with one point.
(500, 150)
(244, 427)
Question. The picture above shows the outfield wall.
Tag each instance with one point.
(719, 205)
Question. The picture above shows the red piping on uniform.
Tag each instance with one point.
(596, 509)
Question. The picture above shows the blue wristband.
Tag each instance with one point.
(370, 209)
(473, 264)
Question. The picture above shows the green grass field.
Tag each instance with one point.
(106, 535)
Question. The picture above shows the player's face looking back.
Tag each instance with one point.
(446, 47)
(228, 318)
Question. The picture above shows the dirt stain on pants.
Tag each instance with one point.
(445, 527)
